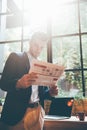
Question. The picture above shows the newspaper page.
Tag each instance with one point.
(47, 73)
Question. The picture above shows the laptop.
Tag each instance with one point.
(60, 108)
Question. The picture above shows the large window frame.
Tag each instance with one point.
(23, 39)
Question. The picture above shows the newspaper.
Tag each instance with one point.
(47, 73)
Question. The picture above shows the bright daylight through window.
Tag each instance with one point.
(65, 22)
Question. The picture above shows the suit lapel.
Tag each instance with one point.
(40, 89)
(26, 62)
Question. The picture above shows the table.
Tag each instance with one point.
(72, 123)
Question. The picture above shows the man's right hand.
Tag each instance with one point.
(26, 80)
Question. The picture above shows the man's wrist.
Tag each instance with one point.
(18, 85)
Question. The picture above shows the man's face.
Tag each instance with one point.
(36, 48)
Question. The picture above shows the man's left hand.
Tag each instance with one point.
(53, 90)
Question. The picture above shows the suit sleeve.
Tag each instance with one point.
(9, 76)
(46, 94)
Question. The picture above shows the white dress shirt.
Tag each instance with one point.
(34, 96)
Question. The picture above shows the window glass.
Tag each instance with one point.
(43, 55)
(5, 50)
(29, 29)
(70, 84)
(3, 6)
(33, 21)
(7, 34)
(26, 46)
(83, 15)
(84, 50)
(66, 51)
(20, 18)
(10, 20)
(65, 19)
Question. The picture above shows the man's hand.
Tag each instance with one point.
(26, 80)
(53, 90)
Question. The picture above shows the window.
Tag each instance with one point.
(65, 22)
(69, 47)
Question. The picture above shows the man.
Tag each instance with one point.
(24, 102)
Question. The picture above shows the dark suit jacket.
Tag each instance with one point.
(17, 100)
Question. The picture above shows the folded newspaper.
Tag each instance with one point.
(47, 73)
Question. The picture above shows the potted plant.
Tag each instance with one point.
(79, 105)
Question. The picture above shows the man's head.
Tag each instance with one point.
(37, 43)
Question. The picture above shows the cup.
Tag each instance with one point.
(81, 116)
(47, 104)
